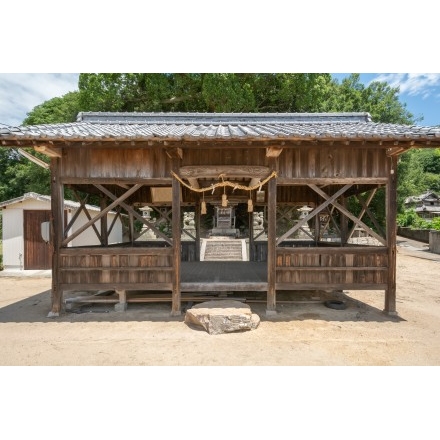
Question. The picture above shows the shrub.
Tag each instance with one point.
(410, 219)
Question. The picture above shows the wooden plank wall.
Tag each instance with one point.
(335, 267)
(113, 163)
(225, 156)
(121, 268)
(300, 162)
(332, 162)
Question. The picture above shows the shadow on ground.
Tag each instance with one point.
(291, 306)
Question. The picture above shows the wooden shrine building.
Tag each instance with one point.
(298, 171)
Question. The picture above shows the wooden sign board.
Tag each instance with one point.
(163, 194)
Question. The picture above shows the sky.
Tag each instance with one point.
(21, 92)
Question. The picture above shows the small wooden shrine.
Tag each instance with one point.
(298, 172)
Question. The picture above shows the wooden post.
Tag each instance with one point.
(131, 227)
(317, 227)
(271, 242)
(344, 223)
(391, 218)
(121, 306)
(104, 226)
(252, 256)
(197, 221)
(57, 207)
(176, 297)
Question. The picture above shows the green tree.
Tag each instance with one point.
(55, 110)
(378, 98)
(19, 175)
(418, 171)
(203, 92)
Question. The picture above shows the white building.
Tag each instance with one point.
(23, 244)
(426, 205)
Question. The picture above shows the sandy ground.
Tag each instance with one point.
(301, 334)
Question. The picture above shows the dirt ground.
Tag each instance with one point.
(301, 334)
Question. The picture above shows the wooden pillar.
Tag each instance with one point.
(252, 256)
(57, 214)
(197, 220)
(104, 226)
(131, 227)
(317, 227)
(391, 218)
(176, 297)
(344, 223)
(271, 242)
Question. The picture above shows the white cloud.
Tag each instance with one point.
(413, 84)
(21, 92)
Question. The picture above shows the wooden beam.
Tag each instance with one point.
(210, 143)
(333, 181)
(101, 214)
(397, 151)
(176, 294)
(391, 216)
(72, 220)
(366, 209)
(311, 214)
(273, 151)
(349, 215)
(57, 213)
(33, 159)
(174, 153)
(271, 242)
(132, 212)
(194, 182)
(104, 226)
(255, 181)
(214, 171)
(48, 151)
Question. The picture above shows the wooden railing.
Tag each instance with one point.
(91, 268)
(359, 268)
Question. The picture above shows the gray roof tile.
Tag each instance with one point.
(187, 126)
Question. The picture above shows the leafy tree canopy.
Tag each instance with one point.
(240, 92)
(202, 92)
(55, 110)
(418, 172)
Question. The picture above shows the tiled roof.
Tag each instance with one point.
(44, 198)
(230, 126)
(430, 195)
(427, 208)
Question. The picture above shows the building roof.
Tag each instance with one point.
(44, 198)
(428, 196)
(93, 126)
(430, 209)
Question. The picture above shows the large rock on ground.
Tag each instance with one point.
(223, 316)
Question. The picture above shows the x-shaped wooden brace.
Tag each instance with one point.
(365, 204)
(117, 201)
(331, 200)
(317, 210)
(131, 211)
(78, 212)
(347, 213)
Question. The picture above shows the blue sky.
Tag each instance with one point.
(21, 92)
